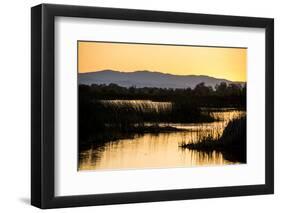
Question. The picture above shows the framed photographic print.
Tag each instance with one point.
(139, 106)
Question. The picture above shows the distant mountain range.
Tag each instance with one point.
(148, 79)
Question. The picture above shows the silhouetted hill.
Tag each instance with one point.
(147, 79)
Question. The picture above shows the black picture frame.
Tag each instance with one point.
(43, 117)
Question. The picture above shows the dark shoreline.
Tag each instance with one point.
(232, 141)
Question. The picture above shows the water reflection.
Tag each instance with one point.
(160, 150)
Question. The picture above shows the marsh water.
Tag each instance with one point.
(160, 150)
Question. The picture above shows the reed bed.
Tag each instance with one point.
(128, 113)
(232, 137)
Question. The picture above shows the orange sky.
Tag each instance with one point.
(227, 63)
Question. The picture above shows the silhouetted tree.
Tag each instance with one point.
(221, 89)
(202, 90)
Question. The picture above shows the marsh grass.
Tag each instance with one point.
(127, 116)
(231, 142)
(148, 111)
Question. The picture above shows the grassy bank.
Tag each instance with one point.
(97, 116)
(232, 142)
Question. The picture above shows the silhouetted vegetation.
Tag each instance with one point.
(102, 120)
(232, 142)
(223, 95)
(96, 116)
(186, 105)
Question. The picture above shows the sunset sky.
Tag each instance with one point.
(227, 63)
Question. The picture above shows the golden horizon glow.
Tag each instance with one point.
(218, 62)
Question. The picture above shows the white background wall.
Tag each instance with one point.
(15, 105)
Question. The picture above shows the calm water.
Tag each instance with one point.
(159, 150)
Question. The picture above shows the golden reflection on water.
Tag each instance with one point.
(158, 150)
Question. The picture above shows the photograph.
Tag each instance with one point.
(144, 106)
(140, 105)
